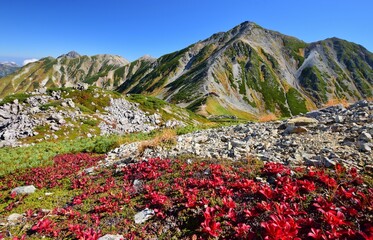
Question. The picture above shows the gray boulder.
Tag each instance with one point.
(365, 137)
(302, 121)
(24, 189)
(57, 118)
(14, 218)
(4, 114)
(143, 215)
(111, 237)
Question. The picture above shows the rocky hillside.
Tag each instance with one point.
(247, 72)
(7, 68)
(69, 113)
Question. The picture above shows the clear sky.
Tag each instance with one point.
(39, 28)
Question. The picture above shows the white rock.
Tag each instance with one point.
(24, 189)
(14, 217)
(365, 137)
(144, 215)
(302, 121)
(71, 103)
(339, 119)
(138, 184)
(364, 147)
(111, 237)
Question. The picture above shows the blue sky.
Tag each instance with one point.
(39, 28)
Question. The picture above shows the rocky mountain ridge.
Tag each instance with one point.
(245, 72)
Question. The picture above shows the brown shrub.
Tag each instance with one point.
(336, 101)
(254, 164)
(165, 138)
(267, 117)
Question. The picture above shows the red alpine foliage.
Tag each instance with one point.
(64, 166)
(198, 200)
(280, 228)
(47, 227)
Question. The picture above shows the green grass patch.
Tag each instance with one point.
(296, 102)
(46, 106)
(313, 80)
(21, 97)
(40, 154)
(91, 122)
(147, 103)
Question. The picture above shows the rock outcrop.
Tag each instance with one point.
(54, 111)
(126, 117)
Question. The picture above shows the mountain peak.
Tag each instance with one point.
(248, 24)
(147, 57)
(71, 54)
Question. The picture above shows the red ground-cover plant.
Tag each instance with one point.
(211, 199)
(64, 166)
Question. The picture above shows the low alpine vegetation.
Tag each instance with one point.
(190, 199)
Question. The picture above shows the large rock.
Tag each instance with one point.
(143, 215)
(365, 137)
(24, 189)
(302, 121)
(9, 135)
(5, 114)
(57, 118)
(364, 146)
(14, 218)
(111, 237)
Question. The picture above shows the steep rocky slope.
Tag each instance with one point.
(247, 72)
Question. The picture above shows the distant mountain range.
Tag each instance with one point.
(247, 71)
(7, 68)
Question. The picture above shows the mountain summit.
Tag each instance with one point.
(71, 54)
(249, 69)
(246, 71)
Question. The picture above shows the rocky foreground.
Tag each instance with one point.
(222, 190)
(321, 138)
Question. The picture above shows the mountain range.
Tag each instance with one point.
(7, 68)
(248, 71)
